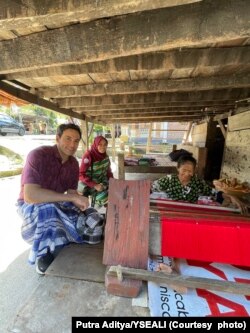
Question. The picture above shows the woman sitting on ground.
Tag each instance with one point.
(95, 171)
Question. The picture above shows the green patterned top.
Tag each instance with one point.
(176, 191)
(99, 171)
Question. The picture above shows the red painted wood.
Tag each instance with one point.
(207, 238)
(183, 206)
(127, 226)
(227, 218)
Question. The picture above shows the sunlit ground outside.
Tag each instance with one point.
(11, 242)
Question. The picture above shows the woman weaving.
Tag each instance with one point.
(186, 186)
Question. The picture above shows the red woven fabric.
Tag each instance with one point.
(223, 239)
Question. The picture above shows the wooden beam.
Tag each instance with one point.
(7, 99)
(186, 135)
(36, 12)
(149, 31)
(199, 96)
(223, 130)
(149, 86)
(202, 59)
(182, 280)
(149, 116)
(239, 121)
(33, 99)
(105, 116)
(149, 169)
(142, 120)
(168, 130)
(150, 112)
(171, 106)
(221, 116)
(228, 114)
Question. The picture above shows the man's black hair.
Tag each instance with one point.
(63, 127)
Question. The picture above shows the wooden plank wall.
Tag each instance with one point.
(236, 163)
(199, 135)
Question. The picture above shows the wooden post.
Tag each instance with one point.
(121, 168)
(149, 141)
(85, 139)
(186, 135)
(113, 141)
(223, 130)
(90, 130)
(202, 160)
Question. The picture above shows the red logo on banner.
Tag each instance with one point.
(214, 300)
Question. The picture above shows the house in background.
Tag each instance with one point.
(164, 132)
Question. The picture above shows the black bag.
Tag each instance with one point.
(90, 225)
(86, 191)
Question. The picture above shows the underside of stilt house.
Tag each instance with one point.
(128, 61)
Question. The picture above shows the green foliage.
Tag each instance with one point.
(5, 109)
(10, 154)
(10, 173)
(52, 117)
(98, 130)
(15, 159)
(39, 111)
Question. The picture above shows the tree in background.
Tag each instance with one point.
(42, 117)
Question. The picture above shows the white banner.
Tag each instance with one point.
(166, 302)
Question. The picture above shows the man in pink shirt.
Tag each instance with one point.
(49, 203)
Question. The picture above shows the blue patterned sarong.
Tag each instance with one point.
(47, 226)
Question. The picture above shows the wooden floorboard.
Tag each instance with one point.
(79, 261)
